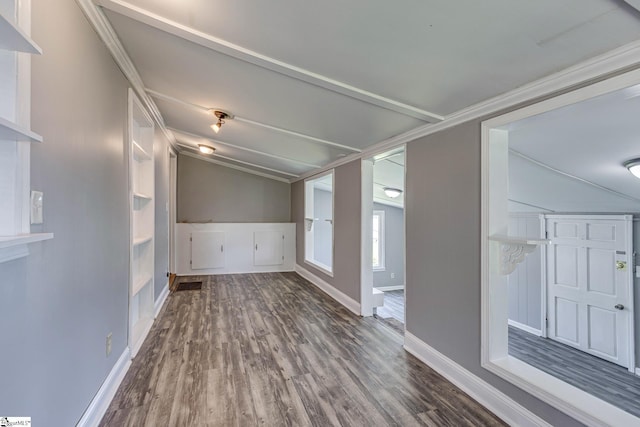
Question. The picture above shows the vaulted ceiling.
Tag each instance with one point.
(311, 82)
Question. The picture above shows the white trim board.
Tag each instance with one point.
(389, 288)
(232, 166)
(161, 300)
(351, 304)
(101, 401)
(490, 397)
(525, 328)
(622, 58)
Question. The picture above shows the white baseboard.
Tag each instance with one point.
(101, 401)
(637, 372)
(160, 301)
(525, 328)
(347, 301)
(493, 399)
(389, 288)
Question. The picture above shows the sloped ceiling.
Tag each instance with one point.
(310, 82)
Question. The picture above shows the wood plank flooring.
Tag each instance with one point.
(393, 305)
(272, 350)
(603, 379)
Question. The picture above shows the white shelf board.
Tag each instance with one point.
(518, 240)
(140, 153)
(140, 283)
(15, 132)
(142, 196)
(142, 240)
(22, 239)
(13, 38)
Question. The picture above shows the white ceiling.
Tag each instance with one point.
(389, 172)
(589, 141)
(312, 81)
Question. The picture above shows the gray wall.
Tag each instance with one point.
(161, 199)
(59, 303)
(208, 192)
(394, 245)
(323, 230)
(346, 222)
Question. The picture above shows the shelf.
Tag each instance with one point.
(15, 132)
(514, 250)
(21, 239)
(142, 240)
(13, 38)
(139, 284)
(140, 153)
(142, 196)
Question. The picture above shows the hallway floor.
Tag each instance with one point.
(608, 381)
(271, 349)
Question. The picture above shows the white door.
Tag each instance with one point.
(207, 250)
(589, 281)
(268, 248)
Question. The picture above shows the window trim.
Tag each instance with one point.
(328, 270)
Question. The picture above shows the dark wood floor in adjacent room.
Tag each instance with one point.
(272, 350)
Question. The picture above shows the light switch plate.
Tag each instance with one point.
(36, 207)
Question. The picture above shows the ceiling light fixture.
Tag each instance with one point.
(392, 192)
(222, 116)
(634, 167)
(206, 149)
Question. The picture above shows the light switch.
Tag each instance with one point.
(36, 207)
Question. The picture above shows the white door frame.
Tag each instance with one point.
(173, 188)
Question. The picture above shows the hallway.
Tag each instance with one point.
(271, 349)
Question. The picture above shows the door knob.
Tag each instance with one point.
(619, 306)
(621, 265)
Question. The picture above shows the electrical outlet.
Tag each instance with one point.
(109, 343)
(393, 275)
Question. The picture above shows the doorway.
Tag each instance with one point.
(383, 219)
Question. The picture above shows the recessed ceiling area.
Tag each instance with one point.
(311, 82)
(388, 172)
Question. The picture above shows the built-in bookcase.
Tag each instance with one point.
(141, 193)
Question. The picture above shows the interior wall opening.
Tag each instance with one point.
(559, 223)
(383, 214)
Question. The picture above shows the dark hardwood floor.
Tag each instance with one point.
(273, 350)
(608, 381)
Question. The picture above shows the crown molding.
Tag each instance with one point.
(617, 61)
(227, 48)
(108, 35)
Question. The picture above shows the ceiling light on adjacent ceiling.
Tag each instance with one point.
(392, 192)
(206, 149)
(634, 167)
(222, 116)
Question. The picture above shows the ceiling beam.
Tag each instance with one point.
(239, 147)
(170, 98)
(247, 55)
(231, 165)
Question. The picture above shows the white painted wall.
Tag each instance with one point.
(238, 248)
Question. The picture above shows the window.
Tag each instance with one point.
(318, 213)
(378, 240)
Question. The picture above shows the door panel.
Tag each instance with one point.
(207, 250)
(567, 258)
(590, 300)
(567, 324)
(268, 248)
(601, 339)
(601, 275)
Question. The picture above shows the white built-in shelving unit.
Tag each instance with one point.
(141, 193)
(16, 49)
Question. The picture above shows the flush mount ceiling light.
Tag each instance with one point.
(634, 167)
(222, 116)
(206, 149)
(392, 192)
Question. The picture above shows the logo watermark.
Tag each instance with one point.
(15, 421)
